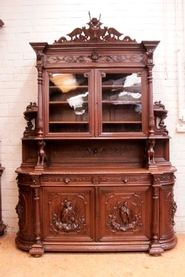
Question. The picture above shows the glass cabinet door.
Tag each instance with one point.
(121, 106)
(68, 110)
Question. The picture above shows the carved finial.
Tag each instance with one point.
(89, 15)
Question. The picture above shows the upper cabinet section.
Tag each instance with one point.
(97, 83)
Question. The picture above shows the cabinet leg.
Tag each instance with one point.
(36, 250)
(2, 228)
(155, 249)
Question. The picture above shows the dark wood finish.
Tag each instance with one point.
(95, 172)
(2, 225)
(1, 23)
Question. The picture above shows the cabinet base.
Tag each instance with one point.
(154, 249)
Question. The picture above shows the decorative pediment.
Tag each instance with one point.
(94, 33)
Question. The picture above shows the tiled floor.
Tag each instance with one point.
(17, 263)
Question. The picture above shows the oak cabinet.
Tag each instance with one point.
(95, 172)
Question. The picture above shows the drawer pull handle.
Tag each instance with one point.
(67, 180)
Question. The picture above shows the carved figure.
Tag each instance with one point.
(75, 33)
(125, 213)
(67, 213)
(121, 218)
(41, 153)
(31, 105)
(67, 219)
(114, 33)
(93, 33)
(150, 151)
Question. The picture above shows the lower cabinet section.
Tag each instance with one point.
(96, 212)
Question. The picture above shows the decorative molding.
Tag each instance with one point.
(95, 57)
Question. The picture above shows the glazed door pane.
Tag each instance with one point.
(121, 102)
(69, 102)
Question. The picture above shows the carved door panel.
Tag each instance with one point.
(24, 210)
(125, 212)
(169, 207)
(68, 213)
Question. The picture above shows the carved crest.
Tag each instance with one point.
(94, 33)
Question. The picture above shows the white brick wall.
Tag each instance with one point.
(46, 20)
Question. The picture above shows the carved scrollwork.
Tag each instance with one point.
(95, 57)
(95, 180)
(20, 210)
(160, 113)
(95, 151)
(94, 33)
(29, 115)
(172, 208)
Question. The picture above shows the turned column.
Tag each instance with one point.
(37, 248)
(155, 247)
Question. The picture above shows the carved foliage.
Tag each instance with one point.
(95, 57)
(24, 213)
(172, 207)
(30, 114)
(160, 113)
(94, 33)
(68, 213)
(124, 213)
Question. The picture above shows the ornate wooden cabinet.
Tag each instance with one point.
(2, 225)
(95, 172)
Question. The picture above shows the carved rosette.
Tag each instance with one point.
(124, 214)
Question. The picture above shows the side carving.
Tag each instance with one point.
(160, 113)
(30, 115)
(172, 208)
(21, 209)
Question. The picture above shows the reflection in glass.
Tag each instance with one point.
(68, 103)
(121, 102)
